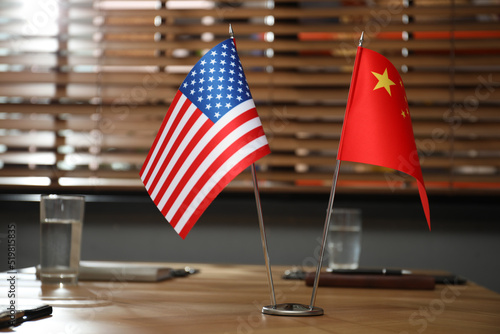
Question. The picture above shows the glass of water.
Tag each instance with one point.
(61, 220)
(344, 239)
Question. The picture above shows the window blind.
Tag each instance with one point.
(85, 84)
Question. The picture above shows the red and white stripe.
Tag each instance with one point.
(193, 159)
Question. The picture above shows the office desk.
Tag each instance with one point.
(229, 298)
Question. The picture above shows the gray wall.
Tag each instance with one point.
(464, 237)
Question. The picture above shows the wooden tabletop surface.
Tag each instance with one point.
(229, 299)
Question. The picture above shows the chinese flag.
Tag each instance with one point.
(377, 127)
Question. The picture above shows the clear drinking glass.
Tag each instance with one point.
(344, 239)
(61, 220)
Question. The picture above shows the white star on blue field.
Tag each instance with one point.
(217, 84)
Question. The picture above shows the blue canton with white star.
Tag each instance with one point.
(217, 84)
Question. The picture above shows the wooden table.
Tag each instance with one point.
(229, 298)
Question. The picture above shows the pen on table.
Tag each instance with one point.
(300, 274)
(8, 319)
(370, 271)
(297, 273)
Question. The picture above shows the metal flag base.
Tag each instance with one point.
(292, 309)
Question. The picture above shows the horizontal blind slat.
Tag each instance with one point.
(82, 100)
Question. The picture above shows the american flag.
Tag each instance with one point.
(210, 134)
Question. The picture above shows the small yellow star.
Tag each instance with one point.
(403, 114)
(383, 81)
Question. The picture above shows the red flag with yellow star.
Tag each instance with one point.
(377, 127)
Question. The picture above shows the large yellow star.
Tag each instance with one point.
(383, 81)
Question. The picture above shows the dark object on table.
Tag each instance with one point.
(10, 318)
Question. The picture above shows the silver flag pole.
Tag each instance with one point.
(263, 236)
(261, 220)
(327, 222)
(325, 234)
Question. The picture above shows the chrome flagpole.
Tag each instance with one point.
(325, 234)
(263, 237)
(261, 219)
(327, 222)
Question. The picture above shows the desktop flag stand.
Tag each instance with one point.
(212, 132)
